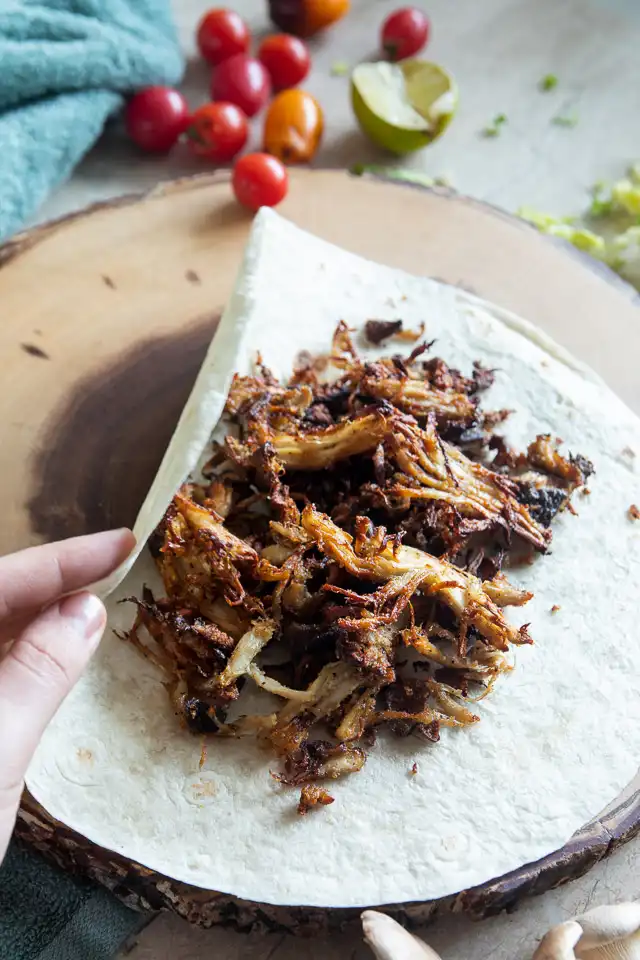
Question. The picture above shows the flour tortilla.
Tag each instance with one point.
(559, 738)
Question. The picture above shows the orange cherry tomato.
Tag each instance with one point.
(293, 126)
(306, 17)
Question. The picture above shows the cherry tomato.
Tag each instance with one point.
(222, 34)
(218, 131)
(286, 58)
(156, 117)
(243, 81)
(259, 180)
(306, 17)
(404, 33)
(293, 126)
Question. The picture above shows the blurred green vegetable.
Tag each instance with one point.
(563, 227)
(601, 202)
(402, 174)
(393, 173)
(625, 197)
(548, 82)
(568, 120)
(493, 129)
(615, 208)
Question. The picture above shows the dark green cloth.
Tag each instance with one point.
(46, 914)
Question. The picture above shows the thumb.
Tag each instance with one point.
(35, 676)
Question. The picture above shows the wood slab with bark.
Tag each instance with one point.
(106, 316)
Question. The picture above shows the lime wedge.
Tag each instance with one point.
(403, 106)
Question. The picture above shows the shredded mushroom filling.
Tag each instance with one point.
(343, 554)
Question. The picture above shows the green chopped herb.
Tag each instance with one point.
(621, 198)
(623, 253)
(583, 239)
(568, 120)
(626, 197)
(562, 227)
(493, 129)
(602, 201)
(544, 221)
(393, 173)
(548, 82)
(600, 208)
(617, 204)
(340, 68)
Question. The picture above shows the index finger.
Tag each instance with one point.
(34, 578)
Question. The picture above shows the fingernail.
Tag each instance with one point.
(86, 610)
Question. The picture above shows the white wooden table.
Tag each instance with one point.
(498, 51)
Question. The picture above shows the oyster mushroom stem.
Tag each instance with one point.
(616, 927)
(390, 941)
(604, 933)
(559, 942)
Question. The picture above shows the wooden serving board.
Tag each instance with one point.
(105, 318)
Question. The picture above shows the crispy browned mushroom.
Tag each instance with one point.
(341, 558)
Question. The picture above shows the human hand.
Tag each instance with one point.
(46, 640)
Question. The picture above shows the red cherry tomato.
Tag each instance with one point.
(286, 58)
(243, 81)
(222, 34)
(404, 33)
(156, 117)
(218, 131)
(259, 180)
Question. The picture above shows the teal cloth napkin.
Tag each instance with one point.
(46, 914)
(65, 66)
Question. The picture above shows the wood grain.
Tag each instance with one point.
(105, 319)
(133, 283)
